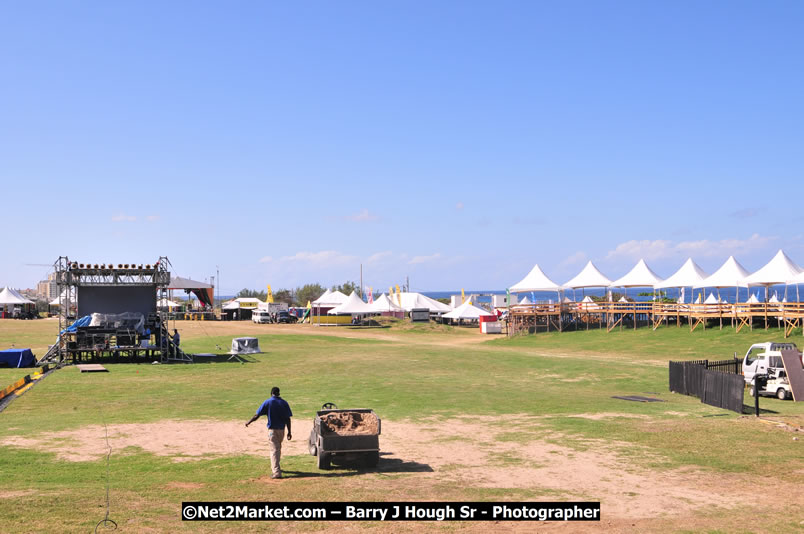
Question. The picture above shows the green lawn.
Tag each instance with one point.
(553, 376)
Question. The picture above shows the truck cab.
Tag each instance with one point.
(762, 357)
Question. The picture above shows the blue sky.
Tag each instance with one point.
(457, 143)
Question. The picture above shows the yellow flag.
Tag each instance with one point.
(269, 296)
(398, 295)
(308, 305)
(463, 298)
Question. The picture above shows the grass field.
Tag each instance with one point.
(464, 418)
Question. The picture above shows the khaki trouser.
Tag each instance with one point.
(275, 437)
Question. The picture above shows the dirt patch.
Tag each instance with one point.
(15, 494)
(346, 423)
(464, 452)
(608, 415)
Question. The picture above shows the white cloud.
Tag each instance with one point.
(122, 217)
(153, 218)
(573, 259)
(362, 216)
(459, 206)
(324, 257)
(379, 256)
(266, 259)
(424, 259)
(660, 249)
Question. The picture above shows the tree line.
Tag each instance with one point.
(300, 296)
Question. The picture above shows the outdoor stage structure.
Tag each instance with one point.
(108, 312)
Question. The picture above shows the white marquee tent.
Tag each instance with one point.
(640, 276)
(330, 298)
(590, 276)
(688, 275)
(536, 280)
(166, 303)
(730, 274)
(411, 301)
(354, 305)
(383, 304)
(467, 311)
(10, 296)
(778, 270)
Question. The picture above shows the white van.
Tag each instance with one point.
(261, 316)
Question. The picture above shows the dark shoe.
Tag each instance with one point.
(276, 476)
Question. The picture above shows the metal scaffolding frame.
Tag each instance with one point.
(72, 275)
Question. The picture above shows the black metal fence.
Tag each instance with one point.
(717, 383)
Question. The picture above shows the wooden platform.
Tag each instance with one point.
(92, 368)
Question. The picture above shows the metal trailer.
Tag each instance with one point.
(324, 443)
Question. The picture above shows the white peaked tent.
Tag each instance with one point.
(688, 275)
(412, 301)
(536, 280)
(65, 295)
(777, 271)
(640, 276)
(9, 296)
(383, 304)
(623, 299)
(330, 298)
(354, 305)
(590, 276)
(711, 299)
(730, 274)
(467, 311)
(753, 299)
(165, 303)
(323, 297)
(525, 300)
(588, 303)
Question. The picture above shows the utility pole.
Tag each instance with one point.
(361, 280)
(407, 284)
(218, 286)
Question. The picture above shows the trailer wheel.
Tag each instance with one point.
(371, 459)
(781, 394)
(324, 459)
(311, 447)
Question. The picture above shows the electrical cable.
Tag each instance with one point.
(106, 521)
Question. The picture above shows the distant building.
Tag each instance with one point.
(47, 289)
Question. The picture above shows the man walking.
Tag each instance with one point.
(279, 414)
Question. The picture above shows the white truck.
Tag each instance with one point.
(766, 359)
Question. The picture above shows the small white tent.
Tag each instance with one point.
(467, 311)
(167, 303)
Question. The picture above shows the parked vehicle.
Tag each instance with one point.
(286, 317)
(261, 316)
(765, 360)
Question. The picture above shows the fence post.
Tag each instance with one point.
(706, 364)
